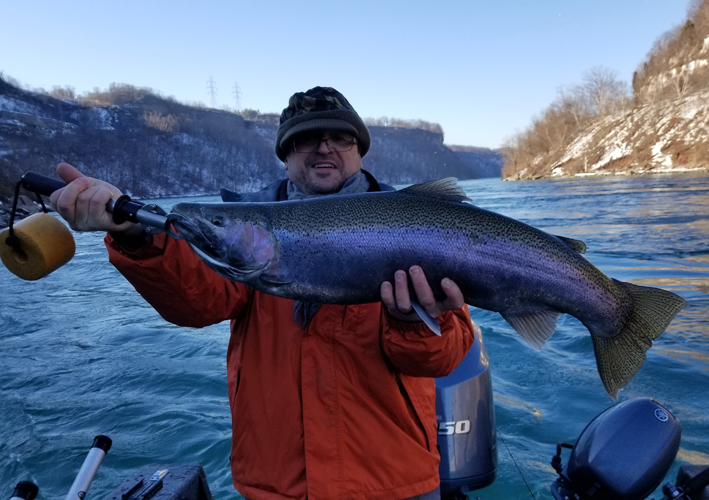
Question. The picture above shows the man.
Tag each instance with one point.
(327, 401)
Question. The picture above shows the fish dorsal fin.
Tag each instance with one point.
(534, 326)
(575, 245)
(445, 189)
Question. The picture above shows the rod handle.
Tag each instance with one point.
(123, 209)
(41, 184)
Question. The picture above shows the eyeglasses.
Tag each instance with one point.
(338, 144)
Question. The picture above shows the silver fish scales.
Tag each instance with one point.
(339, 249)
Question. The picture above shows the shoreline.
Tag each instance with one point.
(660, 171)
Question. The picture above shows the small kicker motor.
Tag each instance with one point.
(624, 454)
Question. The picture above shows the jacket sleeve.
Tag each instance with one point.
(416, 351)
(177, 283)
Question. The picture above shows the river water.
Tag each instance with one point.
(83, 354)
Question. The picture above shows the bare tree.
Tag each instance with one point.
(67, 92)
(604, 90)
(575, 102)
(681, 83)
(401, 123)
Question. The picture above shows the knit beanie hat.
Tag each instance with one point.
(320, 108)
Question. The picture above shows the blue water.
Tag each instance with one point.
(82, 354)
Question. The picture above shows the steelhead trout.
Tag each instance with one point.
(339, 249)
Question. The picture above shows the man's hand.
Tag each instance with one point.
(398, 301)
(82, 203)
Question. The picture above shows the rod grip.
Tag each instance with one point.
(41, 184)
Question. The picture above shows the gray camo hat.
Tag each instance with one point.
(320, 108)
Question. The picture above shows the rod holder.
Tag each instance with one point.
(86, 474)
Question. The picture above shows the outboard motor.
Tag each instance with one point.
(623, 454)
(466, 425)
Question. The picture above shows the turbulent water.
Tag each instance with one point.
(83, 354)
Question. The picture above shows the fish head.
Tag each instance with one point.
(234, 241)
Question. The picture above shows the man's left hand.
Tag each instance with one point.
(398, 300)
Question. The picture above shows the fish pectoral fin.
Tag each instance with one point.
(575, 245)
(430, 321)
(534, 326)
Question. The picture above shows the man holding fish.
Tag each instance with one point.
(327, 401)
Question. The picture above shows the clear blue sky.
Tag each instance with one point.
(482, 69)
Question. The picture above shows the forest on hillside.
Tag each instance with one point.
(676, 66)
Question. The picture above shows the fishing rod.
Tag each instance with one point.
(153, 218)
(41, 244)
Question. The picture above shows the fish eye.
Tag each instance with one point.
(217, 220)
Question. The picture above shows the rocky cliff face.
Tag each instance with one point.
(150, 146)
(486, 162)
(665, 136)
(147, 145)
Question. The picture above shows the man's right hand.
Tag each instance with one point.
(82, 203)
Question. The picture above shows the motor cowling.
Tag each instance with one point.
(622, 454)
(466, 425)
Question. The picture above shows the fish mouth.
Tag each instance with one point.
(227, 271)
(202, 239)
(192, 231)
(207, 241)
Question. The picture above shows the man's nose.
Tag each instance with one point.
(324, 147)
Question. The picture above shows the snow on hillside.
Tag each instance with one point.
(13, 105)
(658, 137)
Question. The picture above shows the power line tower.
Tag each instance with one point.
(236, 92)
(212, 91)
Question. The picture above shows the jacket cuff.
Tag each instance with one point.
(131, 243)
(417, 327)
(153, 246)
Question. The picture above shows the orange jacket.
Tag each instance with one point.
(343, 409)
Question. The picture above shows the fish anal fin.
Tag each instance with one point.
(430, 321)
(575, 245)
(445, 189)
(534, 326)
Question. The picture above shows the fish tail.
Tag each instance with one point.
(620, 356)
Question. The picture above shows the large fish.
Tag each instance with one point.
(339, 249)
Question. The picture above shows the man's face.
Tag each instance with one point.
(323, 170)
